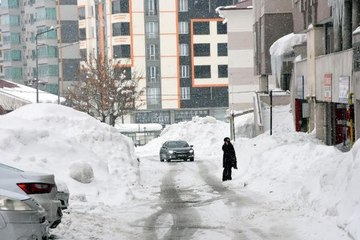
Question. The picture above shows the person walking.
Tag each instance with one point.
(229, 159)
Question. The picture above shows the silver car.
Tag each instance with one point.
(176, 150)
(39, 186)
(21, 217)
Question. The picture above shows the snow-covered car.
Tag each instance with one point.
(21, 217)
(39, 186)
(63, 194)
(176, 150)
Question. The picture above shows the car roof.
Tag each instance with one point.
(175, 141)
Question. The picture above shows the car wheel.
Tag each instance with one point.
(168, 160)
(192, 159)
(161, 160)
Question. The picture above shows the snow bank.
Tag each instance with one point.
(56, 139)
(200, 132)
(292, 168)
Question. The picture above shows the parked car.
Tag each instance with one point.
(21, 217)
(63, 194)
(176, 150)
(39, 186)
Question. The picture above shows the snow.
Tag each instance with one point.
(131, 127)
(308, 188)
(28, 94)
(283, 45)
(357, 30)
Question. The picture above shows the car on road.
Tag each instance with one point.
(21, 217)
(179, 149)
(39, 186)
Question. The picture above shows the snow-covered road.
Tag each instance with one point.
(188, 200)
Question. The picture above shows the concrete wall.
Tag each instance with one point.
(338, 64)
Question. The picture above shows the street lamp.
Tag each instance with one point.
(52, 28)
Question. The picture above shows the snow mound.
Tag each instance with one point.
(51, 138)
(201, 132)
(82, 172)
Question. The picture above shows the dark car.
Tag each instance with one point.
(176, 150)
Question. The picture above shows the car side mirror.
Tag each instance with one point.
(191, 146)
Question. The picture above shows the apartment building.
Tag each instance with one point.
(39, 42)
(242, 81)
(178, 46)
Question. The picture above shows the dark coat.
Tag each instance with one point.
(229, 157)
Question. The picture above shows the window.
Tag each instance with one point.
(11, 38)
(12, 55)
(48, 70)
(152, 52)
(47, 52)
(201, 49)
(121, 51)
(202, 71)
(184, 71)
(222, 49)
(120, 6)
(183, 6)
(121, 29)
(202, 4)
(221, 28)
(185, 93)
(152, 29)
(201, 28)
(183, 27)
(13, 73)
(153, 96)
(47, 35)
(46, 14)
(12, 20)
(83, 54)
(152, 7)
(184, 49)
(153, 74)
(10, 4)
(222, 71)
(81, 13)
(82, 34)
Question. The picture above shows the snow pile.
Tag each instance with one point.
(199, 132)
(73, 146)
(295, 169)
(279, 48)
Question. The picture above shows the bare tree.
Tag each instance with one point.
(105, 90)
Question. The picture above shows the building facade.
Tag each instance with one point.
(39, 42)
(179, 47)
(325, 83)
(273, 19)
(242, 81)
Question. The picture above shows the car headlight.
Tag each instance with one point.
(191, 151)
(9, 204)
(170, 151)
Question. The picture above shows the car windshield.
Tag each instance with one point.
(178, 144)
(6, 167)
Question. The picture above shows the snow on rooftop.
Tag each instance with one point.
(11, 92)
(282, 46)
